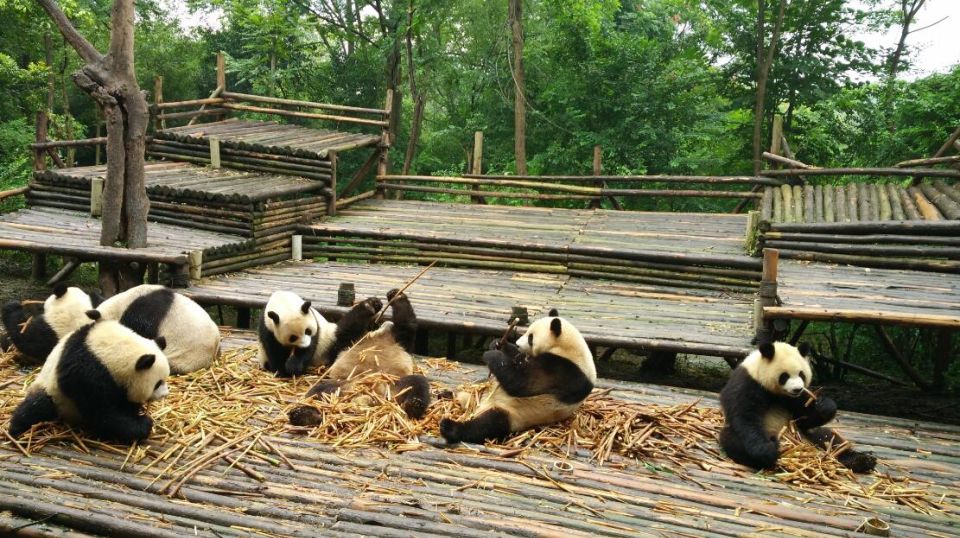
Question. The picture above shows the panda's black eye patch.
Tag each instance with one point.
(308, 332)
(784, 377)
(803, 376)
(293, 338)
(157, 386)
(530, 339)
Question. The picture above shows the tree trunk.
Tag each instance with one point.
(764, 61)
(110, 80)
(416, 121)
(519, 88)
(908, 10)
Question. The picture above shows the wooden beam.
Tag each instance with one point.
(922, 172)
(861, 316)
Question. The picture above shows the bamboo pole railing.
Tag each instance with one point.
(922, 172)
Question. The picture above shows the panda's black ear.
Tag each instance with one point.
(146, 361)
(553, 313)
(804, 348)
(60, 289)
(305, 307)
(273, 315)
(96, 299)
(95, 315)
(555, 327)
(767, 350)
(161, 342)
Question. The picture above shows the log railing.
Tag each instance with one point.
(558, 187)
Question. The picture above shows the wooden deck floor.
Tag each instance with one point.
(71, 233)
(820, 291)
(270, 137)
(190, 181)
(696, 237)
(608, 313)
(79, 488)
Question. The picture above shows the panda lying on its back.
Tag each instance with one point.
(763, 394)
(294, 336)
(193, 339)
(542, 379)
(97, 377)
(63, 312)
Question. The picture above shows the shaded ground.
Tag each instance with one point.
(855, 394)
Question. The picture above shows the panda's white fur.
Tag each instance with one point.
(787, 360)
(377, 351)
(67, 313)
(98, 377)
(527, 391)
(36, 335)
(766, 392)
(193, 338)
(299, 326)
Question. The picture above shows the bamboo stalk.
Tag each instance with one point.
(936, 266)
(309, 115)
(305, 104)
(860, 316)
(921, 172)
(745, 180)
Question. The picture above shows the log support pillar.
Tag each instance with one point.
(38, 269)
(422, 344)
(243, 317)
(943, 356)
(660, 362)
(767, 295)
(451, 344)
(179, 275)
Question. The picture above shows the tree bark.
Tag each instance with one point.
(519, 87)
(416, 121)
(111, 81)
(764, 61)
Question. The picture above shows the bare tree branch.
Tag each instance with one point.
(83, 47)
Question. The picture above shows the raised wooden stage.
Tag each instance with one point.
(631, 316)
(264, 478)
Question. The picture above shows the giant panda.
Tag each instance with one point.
(63, 312)
(193, 339)
(98, 378)
(542, 379)
(293, 336)
(764, 393)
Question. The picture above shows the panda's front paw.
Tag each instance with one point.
(449, 429)
(295, 366)
(142, 428)
(825, 408)
(494, 359)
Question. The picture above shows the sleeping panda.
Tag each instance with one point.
(764, 393)
(63, 312)
(293, 336)
(98, 377)
(542, 379)
(193, 339)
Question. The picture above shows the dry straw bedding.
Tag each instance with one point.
(230, 411)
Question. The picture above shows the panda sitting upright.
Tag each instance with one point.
(542, 379)
(764, 393)
(63, 312)
(294, 336)
(97, 377)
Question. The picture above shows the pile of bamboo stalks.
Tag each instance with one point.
(234, 412)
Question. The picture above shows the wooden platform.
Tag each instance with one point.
(674, 249)
(305, 488)
(270, 137)
(826, 292)
(68, 233)
(626, 315)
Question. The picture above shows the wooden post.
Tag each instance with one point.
(943, 356)
(195, 259)
(158, 123)
(768, 292)
(96, 196)
(332, 200)
(179, 275)
(243, 317)
(597, 166)
(477, 165)
(346, 294)
(221, 72)
(753, 233)
(38, 269)
(296, 248)
(39, 161)
(383, 165)
(777, 135)
(520, 314)
(214, 151)
(153, 273)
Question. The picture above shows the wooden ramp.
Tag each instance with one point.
(672, 249)
(69, 233)
(826, 292)
(626, 315)
(267, 137)
(291, 485)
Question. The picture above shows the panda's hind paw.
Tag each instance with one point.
(449, 429)
(373, 304)
(305, 416)
(393, 293)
